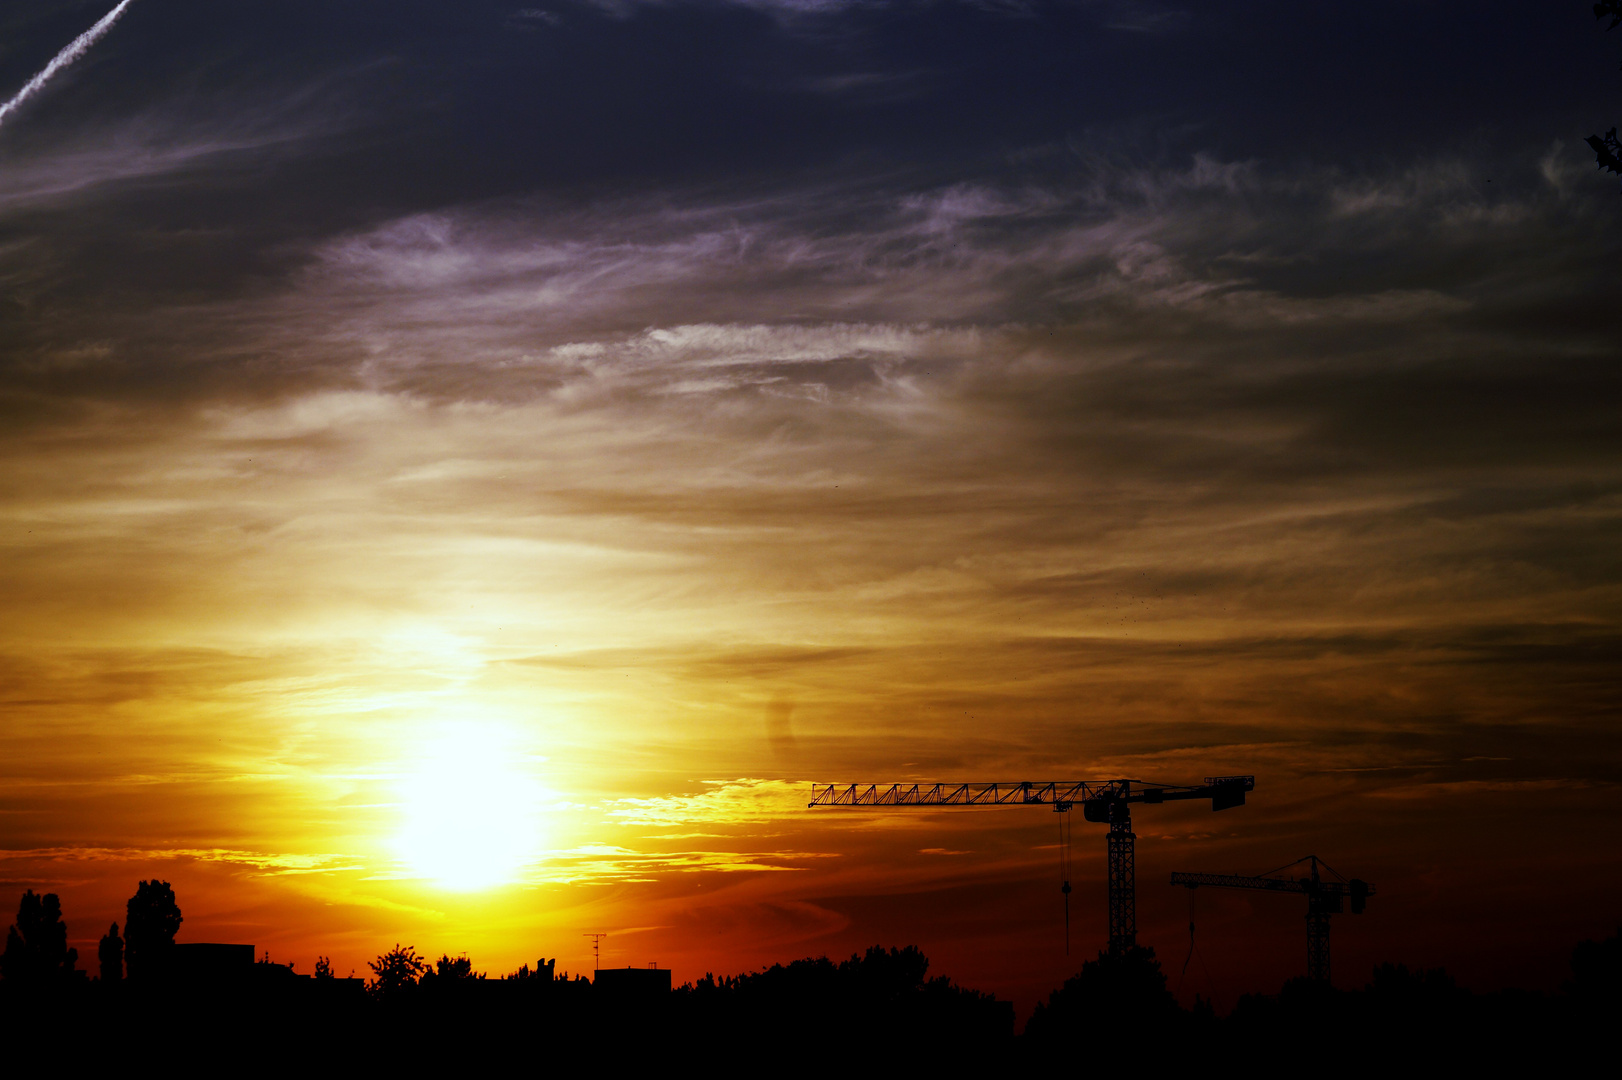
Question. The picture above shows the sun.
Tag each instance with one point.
(470, 805)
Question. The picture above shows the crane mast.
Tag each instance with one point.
(1106, 802)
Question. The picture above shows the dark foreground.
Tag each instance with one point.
(879, 1009)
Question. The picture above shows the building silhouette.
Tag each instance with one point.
(633, 983)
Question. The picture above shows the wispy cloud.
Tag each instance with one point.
(598, 863)
(734, 802)
(131, 154)
(259, 862)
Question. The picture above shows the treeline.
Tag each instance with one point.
(1120, 1005)
(882, 1002)
(37, 954)
(882, 1005)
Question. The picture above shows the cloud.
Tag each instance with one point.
(261, 863)
(1144, 352)
(827, 290)
(1191, 240)
(1490, 788)
(1141, 16)
(119, 157)
(729, 802)
(1144, 18)
(597, 863)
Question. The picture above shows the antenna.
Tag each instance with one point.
(596, 950)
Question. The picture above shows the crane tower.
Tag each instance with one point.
(1105, 802)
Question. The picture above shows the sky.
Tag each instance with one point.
(468, 468)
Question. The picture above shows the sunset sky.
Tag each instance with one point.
(468, 467)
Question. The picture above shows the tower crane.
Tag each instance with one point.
(1325, 897)
(1102, 801)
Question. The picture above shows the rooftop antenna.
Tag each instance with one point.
(596, 950)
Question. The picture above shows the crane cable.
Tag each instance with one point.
(1190, 955)
(1209, 980)
(1064, 873)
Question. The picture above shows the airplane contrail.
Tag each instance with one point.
(76, 49)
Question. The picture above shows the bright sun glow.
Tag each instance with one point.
(470, 810)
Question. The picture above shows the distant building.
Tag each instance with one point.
(204, 963)
(544, 972)
(633, 981)
(206, 967)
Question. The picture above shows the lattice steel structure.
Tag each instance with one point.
(1102, 801)
(1325, 897)
(1317, 944)
(1123, 879)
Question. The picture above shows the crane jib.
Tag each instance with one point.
(1095, 796)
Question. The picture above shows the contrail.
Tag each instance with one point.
(67, 56)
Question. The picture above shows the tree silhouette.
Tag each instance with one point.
(1119, 996)
(1419, 999)
(37, 944)
(449, 973)
(111, 954)
(396, 971)
(151, 921)
(1606, 148)
(459, 968)
(323, 968)
(874, 1002)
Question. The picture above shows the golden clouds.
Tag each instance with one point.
(726, 802)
